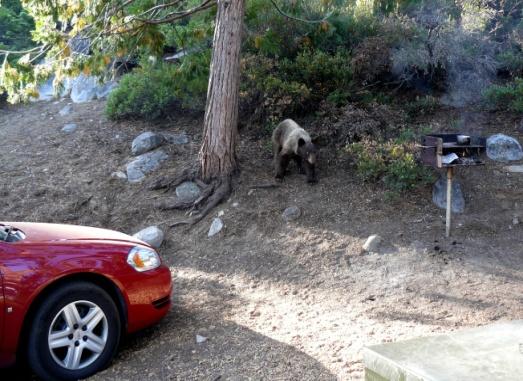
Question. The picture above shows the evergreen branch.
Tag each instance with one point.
(291, 17)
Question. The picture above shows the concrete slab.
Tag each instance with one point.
(493, 353)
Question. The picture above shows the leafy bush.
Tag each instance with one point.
(391, 162)
(15, 26)
(422, 106)
(151, 91)
(272, 89)
(506, 97)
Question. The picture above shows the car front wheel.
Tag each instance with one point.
(75, 332)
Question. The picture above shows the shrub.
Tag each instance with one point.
(151, 91)
(422, 106)
(391, 162)
(506, 97)
(272, 88)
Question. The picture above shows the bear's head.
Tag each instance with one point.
(307, 151)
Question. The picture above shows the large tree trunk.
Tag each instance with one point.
(218, 151)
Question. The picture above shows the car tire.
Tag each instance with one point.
(75, 332)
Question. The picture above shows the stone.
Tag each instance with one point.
(66, 110)
(146, 142)
(515, 220)
(103, 90)
(119, 175)
(216, 227)
(291, 213)
(503, 148)
(188, 191)
(372, 244)
(439, 195)
(144, 164)
(514, 168)
(151, 235)
(493, 352)
(221, 213)
(83, 88)
(176, 138)
(200, 339)
(70, 127)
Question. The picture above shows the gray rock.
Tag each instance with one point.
(176, 138)
(66, 110)
(83, 88)
(503, 148)
(151, 235)
(70, 127)
(439, 195)
(291, 213)
(514, 168)
(119, 175)
(372, 244)
(145, 142)
(143, 164)
(103, 90)
(216, 227)
(188, 191)
(200, 339)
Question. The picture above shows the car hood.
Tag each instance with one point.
(41, 232)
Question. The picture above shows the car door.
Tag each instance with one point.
(2, 306)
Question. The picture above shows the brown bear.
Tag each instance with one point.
(290, 141)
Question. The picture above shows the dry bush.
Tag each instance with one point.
(371, 60)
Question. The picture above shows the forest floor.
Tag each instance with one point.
(277, 300)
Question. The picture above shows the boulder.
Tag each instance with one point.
(70, 127)
(119, 175)
(514, 168)
(83, 88)
(66, 110)
(439, 195)
(176, 138)
(151, 235)
(188, 191)
(372, 244)
(143, 164)
(216, 227)
(503, 148)
(291, 213)
(145, 142)
(103, 90)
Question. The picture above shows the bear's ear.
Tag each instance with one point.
(301, 142)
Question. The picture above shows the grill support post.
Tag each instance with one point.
(450, 173)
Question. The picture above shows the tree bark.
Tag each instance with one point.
(218, 150)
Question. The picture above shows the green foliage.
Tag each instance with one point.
(422, 106)
(154, 90)
(506, 97)
(15, 26)
(512, 61)
(391, 162)
(272, 89)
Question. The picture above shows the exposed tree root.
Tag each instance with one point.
(211, 195)
(162, 182)
(265, 186)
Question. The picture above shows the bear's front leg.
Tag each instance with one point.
(281, 165)
(299, 164)
(310, 171)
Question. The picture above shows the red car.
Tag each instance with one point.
(68, 293)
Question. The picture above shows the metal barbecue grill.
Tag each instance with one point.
(450, 151)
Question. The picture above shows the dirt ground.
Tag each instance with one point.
(276, 300)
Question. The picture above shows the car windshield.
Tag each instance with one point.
(10, 234)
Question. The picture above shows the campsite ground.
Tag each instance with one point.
(277, 300)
